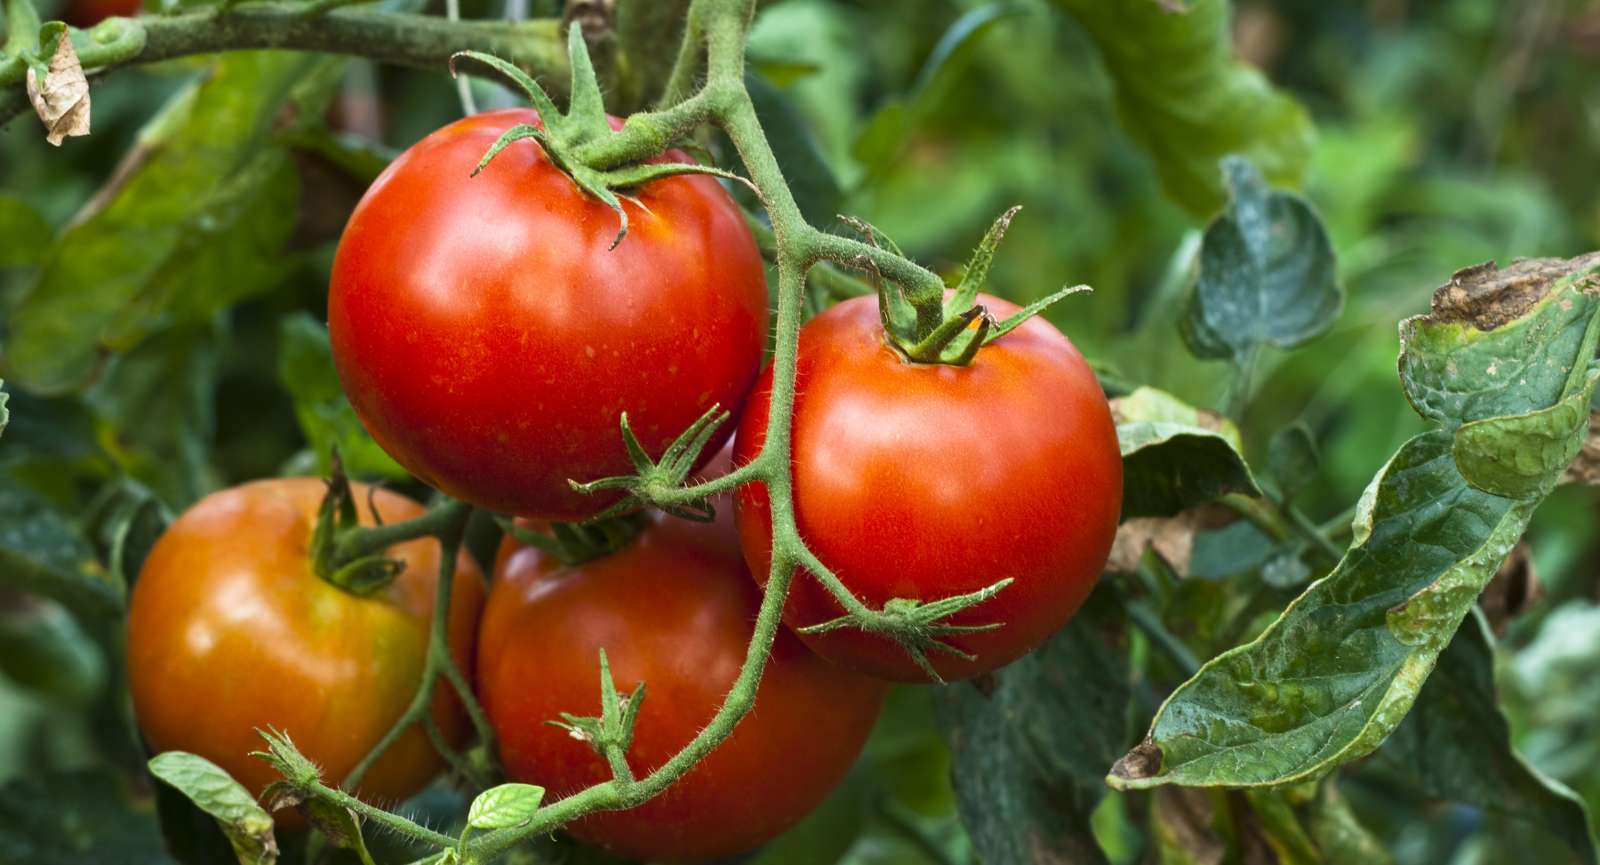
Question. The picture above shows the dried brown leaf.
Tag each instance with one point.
(62, 98)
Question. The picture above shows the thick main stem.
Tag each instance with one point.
(422, 41)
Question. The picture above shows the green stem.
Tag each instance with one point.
(359, 543)
(408, 40)
(1281, 524)
(903, 821)
(387, 819)
(450, 529)
(1312, 532)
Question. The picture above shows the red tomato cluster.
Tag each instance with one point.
(490, 339)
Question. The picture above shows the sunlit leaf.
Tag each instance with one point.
(305, 368)
(1175, 456)
(247, 825)
(204, 189)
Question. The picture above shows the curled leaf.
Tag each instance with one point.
(61, 98)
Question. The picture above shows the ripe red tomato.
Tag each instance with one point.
(87, 13)
(229, 630)
(490, 339)
(925, 481)
(675, 610)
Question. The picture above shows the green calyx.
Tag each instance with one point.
(919, 627)
(950, 330)
(575, 543)
(569, 139)
(653, 480)
(360, 575)
(611, 734)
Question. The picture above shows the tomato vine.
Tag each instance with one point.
(705, 86)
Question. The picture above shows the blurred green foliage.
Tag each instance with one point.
(1446, 133)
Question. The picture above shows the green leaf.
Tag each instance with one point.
(305, 368)
(74, 818)
(204, 189)
(247, 825)
(173, 377)
(1182, 94)
(1267, 274)
(45, 650)
(504, 806)
(1029, 754)
(1336, 673)
(1292, 458)
(1456, 745)
(41, 553)
(24, 234)
(1175, 456)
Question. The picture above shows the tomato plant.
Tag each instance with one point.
(1231, 585)
(228, 609)
(490, 337)
(1006, 468)
(673, 611)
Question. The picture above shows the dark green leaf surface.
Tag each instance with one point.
(1337, 672)
(1174, 456)
(76, 818)
(204, 190)
(1456, 746)
(1267, 273)
(24, 234)
(41, 552)
(305, 367)
(1292, 458)
(1028, 755)
(247, 825)
(1184, 96)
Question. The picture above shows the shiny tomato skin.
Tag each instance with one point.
(926, 481)
(490, 338)
(675, 611)
(229, 630)
(87, 13)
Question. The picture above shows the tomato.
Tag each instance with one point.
(229, 630)
(87, 13)
(675, 610)
(925, 481)
(490, 338)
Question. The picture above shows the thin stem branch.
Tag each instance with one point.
(449, 528)
(387, 819)
(358, 543)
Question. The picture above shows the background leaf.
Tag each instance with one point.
(24, 233)
(1029, 753)
(76, 817)
(1266, 273)
(305, 367)
(1197, 103)
(1455, 745)
(204, 189)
